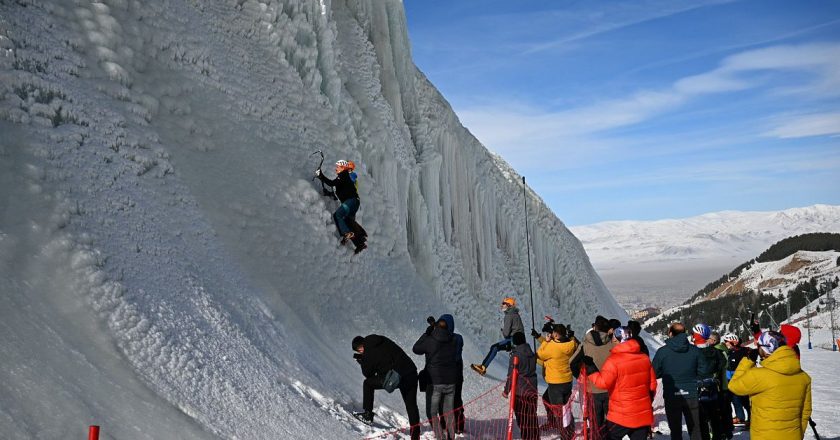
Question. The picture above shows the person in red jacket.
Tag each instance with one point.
(628, 376)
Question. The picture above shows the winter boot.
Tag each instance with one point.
(347, 236)
(365, 416)
(360, 248)
(480, 369)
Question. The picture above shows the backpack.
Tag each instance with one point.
(707, 389)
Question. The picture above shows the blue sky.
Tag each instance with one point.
(644, 110)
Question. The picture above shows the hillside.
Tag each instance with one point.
(664, 262)
(168, 265)
(773, 288)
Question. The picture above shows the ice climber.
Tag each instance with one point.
(512, 324)
(628, 377)
(386, 366)
(780, 392)
(348, 195)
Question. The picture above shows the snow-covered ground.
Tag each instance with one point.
(167, 264)
(664, 262)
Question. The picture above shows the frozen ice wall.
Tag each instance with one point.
(167, 263)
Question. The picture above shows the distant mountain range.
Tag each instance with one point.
(709, 239)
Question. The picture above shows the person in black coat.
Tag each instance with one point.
(377, 355)
(441, 349)
(345, 190)
(636, 331)
(525, 399)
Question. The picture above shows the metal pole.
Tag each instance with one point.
(832, 302)
(528, 243)
(788, 305)
(808, 317)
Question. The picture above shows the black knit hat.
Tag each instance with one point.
(519, 338)
(358, 341)
(602, 324)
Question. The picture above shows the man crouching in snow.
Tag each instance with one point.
(386, 366)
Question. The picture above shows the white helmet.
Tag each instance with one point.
(342, 163)
(731, 337)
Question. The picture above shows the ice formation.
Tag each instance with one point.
(166, 262)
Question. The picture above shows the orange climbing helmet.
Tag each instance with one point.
(509, 302)
(342, 165)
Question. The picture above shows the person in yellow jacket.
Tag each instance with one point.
(555, 354)
(780, 392)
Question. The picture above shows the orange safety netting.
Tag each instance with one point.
(487, 417)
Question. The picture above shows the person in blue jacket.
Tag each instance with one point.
(679, 364)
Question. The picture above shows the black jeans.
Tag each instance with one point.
(525, 410)
(617, 432)
(601, 404)
(675, 408)
(710, 420)
(408, 390)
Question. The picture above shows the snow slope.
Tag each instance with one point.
(167, 264)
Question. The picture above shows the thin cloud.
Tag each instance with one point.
(821, 124)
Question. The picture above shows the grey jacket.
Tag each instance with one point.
(512, 323)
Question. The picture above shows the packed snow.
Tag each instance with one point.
(167, 265)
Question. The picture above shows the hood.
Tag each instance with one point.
(792, 334)
(523, 350)
(709, 352)
(783, 361)
(450, 322)
(590, 338)
(441, 335)
(373, 341)
(629, 346)
(678, 343)
(512, 310)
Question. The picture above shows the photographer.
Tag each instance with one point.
(441, 349)
(555, 353)
(380, 359)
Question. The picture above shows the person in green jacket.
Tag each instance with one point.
(679, 365)
(725, 399)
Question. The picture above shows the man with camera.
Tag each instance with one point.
(386, 366)
(442, 351)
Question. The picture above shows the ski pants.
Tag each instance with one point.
(617, 432)
(504, 344)
(525, 410)
(408, 390)
(725, 412)
(557, 394)
(710, 420)
(346, 211)
(460, 420)
(675, 408)
(443, 403)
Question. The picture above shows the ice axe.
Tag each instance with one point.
(813, 427)
(326, 191)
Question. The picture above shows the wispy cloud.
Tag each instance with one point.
(806, 126)
(576, 25)
(516, 128)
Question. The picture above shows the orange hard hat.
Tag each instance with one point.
(509, 301)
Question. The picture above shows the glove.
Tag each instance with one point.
(429, 330)
(753, 354)
(534, 333)
(431, 320)
(318, 173)
(570, 334)
(357, 357)
(590, 365)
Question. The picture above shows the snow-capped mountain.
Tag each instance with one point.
(167, 264)
(726, 235)
(661, 263)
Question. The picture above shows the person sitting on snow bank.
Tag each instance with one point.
(512, 324)
(348, 195)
